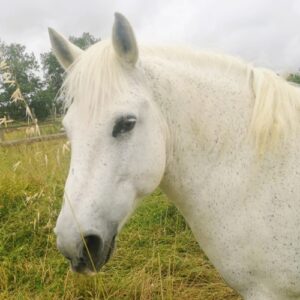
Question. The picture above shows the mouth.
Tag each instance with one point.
(90, 262)
(111, 249)
(81, 267)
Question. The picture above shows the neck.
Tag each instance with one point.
(207, 107)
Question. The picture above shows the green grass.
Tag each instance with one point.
(156, 256)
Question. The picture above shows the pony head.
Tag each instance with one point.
(118, 143)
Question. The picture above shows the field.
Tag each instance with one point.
(22, 131)
(156, 256)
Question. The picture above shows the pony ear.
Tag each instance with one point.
(65, 51)
(124, 41)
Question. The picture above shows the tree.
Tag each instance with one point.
(53, 76)
(24, 68)
(294, 78)
(40, 93)
(84, 41)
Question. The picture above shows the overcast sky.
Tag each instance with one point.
(266, 32)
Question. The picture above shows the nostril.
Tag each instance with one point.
(92, 247)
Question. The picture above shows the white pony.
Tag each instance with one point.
(218, 135)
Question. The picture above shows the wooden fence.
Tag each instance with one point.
(28, 140)
(32, 140)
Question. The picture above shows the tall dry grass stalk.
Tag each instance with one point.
(17, 96)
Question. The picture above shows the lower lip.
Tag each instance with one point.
(85, 271)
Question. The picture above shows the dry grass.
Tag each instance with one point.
(8, 78)
(156, 257)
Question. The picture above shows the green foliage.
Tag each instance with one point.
(294, 78)
(43, 104)
(84, 41)
(24, 68)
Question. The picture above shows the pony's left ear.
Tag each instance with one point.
(65, 52)
(124, 41)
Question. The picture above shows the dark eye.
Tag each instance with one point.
(123, 124)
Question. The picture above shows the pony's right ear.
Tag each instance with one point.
(124, 41)
(65, 51)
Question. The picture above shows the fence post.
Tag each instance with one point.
(1, 135)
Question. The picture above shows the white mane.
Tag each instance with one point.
(98, 75)
(92, 79)
(276, 108)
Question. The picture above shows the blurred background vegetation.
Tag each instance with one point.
(39, 80)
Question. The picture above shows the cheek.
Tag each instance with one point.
(150, 166)
(121, 201)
